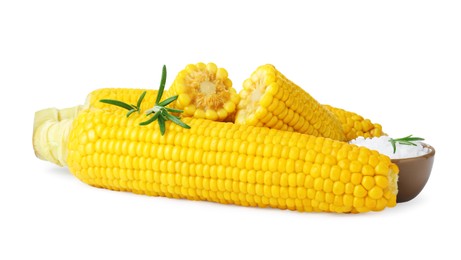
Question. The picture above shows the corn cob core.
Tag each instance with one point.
(204, 91)
(355, 125)
(228, 163)
(269, 99)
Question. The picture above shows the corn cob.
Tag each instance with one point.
(355, 125)
(204, 91)
(215, 161)
(270, 99)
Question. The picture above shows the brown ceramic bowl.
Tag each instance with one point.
(413, 174)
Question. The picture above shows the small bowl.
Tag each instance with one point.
(413, 174)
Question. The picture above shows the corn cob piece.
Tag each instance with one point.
(205, 91)
(355, 125)
(220, 162)
(269, 99)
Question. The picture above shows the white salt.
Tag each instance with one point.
(384, 146)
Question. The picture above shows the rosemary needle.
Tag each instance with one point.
(131, 108)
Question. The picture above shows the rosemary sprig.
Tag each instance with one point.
(160, 112)
(407, 140)
(131, 108)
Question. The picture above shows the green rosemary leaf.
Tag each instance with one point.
(162, 85)
(173, 110)
(138, 105)
(394, 147)
(131, 112)
(167, 101)
(161, 123)
(150, 120)
(117, 103)
(177, 121)
(411, 139)
(407, 143)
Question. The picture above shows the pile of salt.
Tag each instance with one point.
(384, 146)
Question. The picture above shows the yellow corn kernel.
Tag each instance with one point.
(381, 181)
(376, 192)
(338, 188)
(285, 105)
(360, 191)
(368, 182)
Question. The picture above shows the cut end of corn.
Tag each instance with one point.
(255, 92)
(51, 133)
(269, 99)
(205, 91)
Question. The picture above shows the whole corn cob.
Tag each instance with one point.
(270, 99)
(215, 161)
(355, 125)
(205, 91)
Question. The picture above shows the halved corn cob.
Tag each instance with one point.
(355, 125)
(204, 91)
(220, 162)
(270, 99)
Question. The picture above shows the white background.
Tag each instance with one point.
(395, 62)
